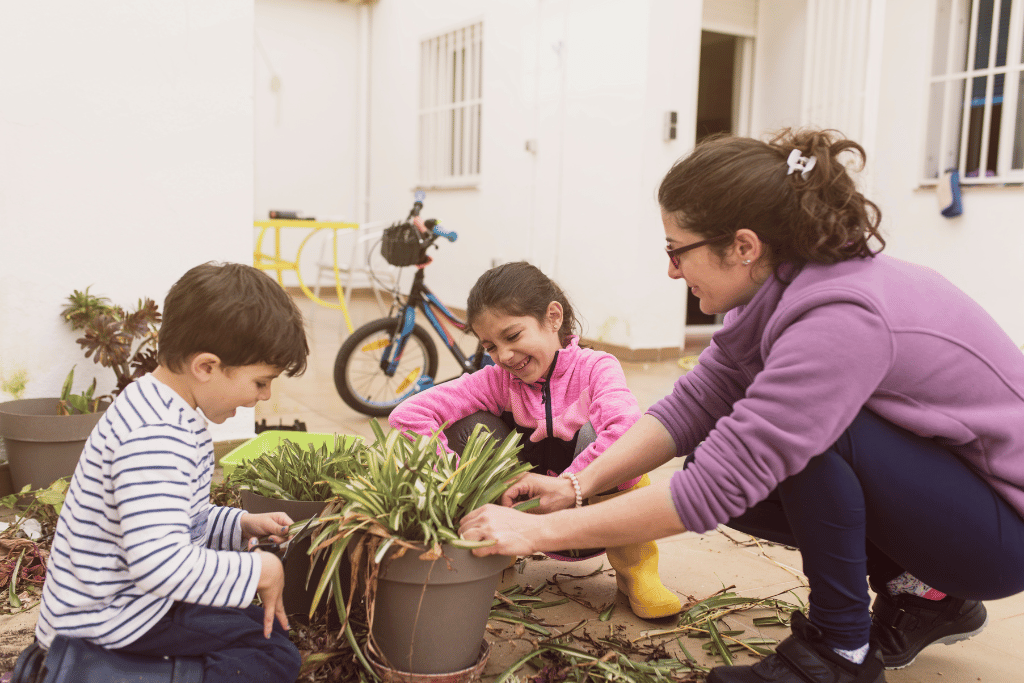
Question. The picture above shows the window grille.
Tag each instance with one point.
(976, 90)
(451, 71)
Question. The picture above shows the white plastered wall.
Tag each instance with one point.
(125, 159)
(306, 65)
(588, 83)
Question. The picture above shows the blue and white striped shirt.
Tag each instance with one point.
(137, 531)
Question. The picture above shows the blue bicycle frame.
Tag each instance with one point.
(436, 312)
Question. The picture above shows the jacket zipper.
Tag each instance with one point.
(545, 390)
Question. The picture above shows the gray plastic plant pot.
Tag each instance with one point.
(298, 597)
(430, 615)
(41, 445)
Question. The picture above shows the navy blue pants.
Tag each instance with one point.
(229, 640)
(882, 501)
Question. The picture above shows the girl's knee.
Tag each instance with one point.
(458, 432)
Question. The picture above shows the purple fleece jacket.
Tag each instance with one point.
(585, 385)
(789, 371)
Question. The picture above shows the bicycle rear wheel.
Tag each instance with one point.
(361, 381)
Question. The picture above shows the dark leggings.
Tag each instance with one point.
(882, 501)
(230, 641)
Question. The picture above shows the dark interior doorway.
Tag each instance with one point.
(715, 107)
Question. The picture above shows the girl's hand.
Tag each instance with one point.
(273, 524)
(555, 493)
(514, 532)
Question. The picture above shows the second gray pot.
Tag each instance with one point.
(430, 615)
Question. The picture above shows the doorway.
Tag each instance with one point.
(722, 93)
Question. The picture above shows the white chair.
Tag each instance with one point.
(365, 266)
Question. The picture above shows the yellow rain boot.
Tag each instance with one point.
(636, 573)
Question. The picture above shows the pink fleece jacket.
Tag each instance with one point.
(586, 385)
(790, 370)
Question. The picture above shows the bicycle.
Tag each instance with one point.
(387, 360)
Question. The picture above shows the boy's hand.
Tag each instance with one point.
(270, 589)
(273, 524)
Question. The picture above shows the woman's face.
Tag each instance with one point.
(721, 284)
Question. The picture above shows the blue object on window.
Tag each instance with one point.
(948, 193)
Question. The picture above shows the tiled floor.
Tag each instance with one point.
(695, 566)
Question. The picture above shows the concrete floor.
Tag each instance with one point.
(695, 566)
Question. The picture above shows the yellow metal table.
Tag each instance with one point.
(274, 261)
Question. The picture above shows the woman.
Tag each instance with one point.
(856, 406)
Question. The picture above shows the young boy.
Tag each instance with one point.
(141, 560)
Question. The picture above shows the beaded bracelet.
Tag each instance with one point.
(576, 485)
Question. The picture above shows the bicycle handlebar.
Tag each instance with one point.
(450, 235)
(431, 224)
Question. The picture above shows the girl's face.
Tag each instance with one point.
(521, 344)
(721, 284)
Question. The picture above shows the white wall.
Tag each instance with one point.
(306, 129)
(588, 82)
(125, 159)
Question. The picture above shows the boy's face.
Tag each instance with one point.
(230, 388)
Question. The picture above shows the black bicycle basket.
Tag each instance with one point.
(400, 245)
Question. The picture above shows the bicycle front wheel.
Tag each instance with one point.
(359, 377)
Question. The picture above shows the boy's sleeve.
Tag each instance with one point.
(613, 410)
(224, 528)
(448, 402)
(151, 475)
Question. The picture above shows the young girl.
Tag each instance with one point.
(569, 403)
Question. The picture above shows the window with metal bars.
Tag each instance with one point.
(976, 102)
(451, 73)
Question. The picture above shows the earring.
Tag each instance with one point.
(746, 262)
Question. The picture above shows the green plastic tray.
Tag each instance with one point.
(268, 441)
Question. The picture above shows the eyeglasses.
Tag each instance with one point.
(674, 254)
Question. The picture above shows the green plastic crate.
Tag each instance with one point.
(270, 440)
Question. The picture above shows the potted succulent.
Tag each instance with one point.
(44, 437)
(427, 597)
(289, 472)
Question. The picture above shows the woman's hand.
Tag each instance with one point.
(515, 532)
(273, 524)
(555, 493)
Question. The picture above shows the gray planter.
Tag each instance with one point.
(298, 598)
(41, 445)
(430, 615)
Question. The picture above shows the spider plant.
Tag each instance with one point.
(295, 472)
(410, 496)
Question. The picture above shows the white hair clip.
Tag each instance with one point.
(798, 162)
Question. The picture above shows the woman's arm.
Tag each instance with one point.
(636, 517)
(645, 446)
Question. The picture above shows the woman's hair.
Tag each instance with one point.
(728, 183)
(236, 312)
(520, 289)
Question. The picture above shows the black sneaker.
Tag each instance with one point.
(903, 625)
(804, 658)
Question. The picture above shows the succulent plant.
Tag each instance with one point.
(113, 337)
